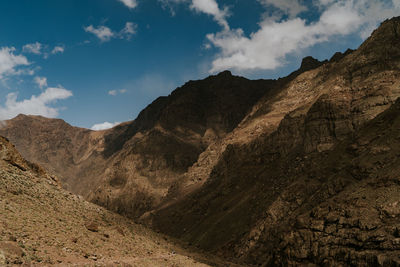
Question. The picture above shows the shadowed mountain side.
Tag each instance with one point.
(217, 104)
(154, 165)
(154, 151)
(342, 208)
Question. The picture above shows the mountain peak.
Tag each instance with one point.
(309, 63)
(384, 39)
(225, 73)
(339, 55)
(21, 116)
(25, 117)
(388, 30)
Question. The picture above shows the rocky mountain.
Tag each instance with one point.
(41, 224)
(295, 171)
(287, 157)
(130, 168)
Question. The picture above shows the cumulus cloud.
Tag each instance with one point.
(129, 3)
(36, 105)
(41, 81)
(58, 49)
(104, 126)
(106, 34)
(9, 62)
(211, 7)
(34, 48)
(102, 32)
(268, 47)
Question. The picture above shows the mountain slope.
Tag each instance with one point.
(62, 149)
(263, 174)
(42, 224)
(154, 151)
(346, 212)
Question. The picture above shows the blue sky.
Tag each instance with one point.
(95, 61)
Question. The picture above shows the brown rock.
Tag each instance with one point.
(92, 226)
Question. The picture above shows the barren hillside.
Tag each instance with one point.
(41, 224)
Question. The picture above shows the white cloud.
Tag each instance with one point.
(268, 47)
(36, 105)
(128, 31)
(290, 7)
(41, 81)
(102, 32)
(104, 126)
(9, 62)
(129, 3)
(34, 48)
(115, 92)
(211, 7)
(106, 34)
(58, 49)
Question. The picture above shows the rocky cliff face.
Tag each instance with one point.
(342, 208)
(296, 171)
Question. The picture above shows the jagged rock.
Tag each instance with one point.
(92, 226)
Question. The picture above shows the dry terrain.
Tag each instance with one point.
(43, 225)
